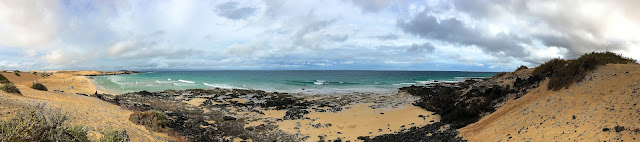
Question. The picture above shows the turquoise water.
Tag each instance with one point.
(281, 80)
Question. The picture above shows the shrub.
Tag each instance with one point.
(152, 120)
(115, 136)
(39, 86)
(563, 73)
(38, 124)
(10, 88)
(17, 74)
(546, 69)
(522, 67)
(4, 79)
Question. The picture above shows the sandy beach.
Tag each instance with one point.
(601, 108)
(371, 116)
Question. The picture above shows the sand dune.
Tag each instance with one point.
(94, 114)
(591, 110)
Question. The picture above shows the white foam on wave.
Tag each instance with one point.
(169, 79)
(186, 81)
(225, 86)
(320, 82)
(427, 82)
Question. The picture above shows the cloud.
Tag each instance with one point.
(389, 36)
(147, 50)
(578, 26)
(454, 31)
(232, 11)
(60, 57)
(28, 23)
(372, 5)
(421, 48)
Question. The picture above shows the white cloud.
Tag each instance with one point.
(28, 23)
(345, 34)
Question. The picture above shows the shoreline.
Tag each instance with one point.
(94, 83)
(258, 115)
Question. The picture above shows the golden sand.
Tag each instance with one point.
(94, 114)
(608, 97)
(348, 124)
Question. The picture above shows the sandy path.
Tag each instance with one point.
(608, 97)
(96, 115)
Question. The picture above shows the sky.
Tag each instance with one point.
(461, 35)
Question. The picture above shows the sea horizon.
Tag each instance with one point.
(289, 81)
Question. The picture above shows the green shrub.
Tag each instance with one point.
(10, 88)
(17, 74)
(4, 79)
(547, 69)
(152, 120)
(563, 73)
(115, 136)
(38, 124)
(39, 86)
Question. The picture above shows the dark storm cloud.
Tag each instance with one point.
(454, 31)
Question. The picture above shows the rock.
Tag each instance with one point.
(295, 113)
(228, 118)
(619, 128)
(605, 129)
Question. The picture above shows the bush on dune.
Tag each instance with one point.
(17, 74)
(39, 86)
(563, 73)
(152, 120)
(4, 79)
(38, 124)
(115, 136)
(10, 88)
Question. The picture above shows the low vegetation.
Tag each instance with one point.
(563, 73)
(115, 136)
(3, 79)
(152, 120)
(38, 124)
(39, 86)
(10, 88)
(17, 74)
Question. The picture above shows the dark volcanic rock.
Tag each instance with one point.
(189, 122)
(295, 113)
(228, 118)
(463, 103)
(619, 128)
(427, 133)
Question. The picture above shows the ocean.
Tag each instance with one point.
(291, 81)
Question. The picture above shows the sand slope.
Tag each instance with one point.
(587, 111)
(94, 114)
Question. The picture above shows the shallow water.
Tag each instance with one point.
(307, 81)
